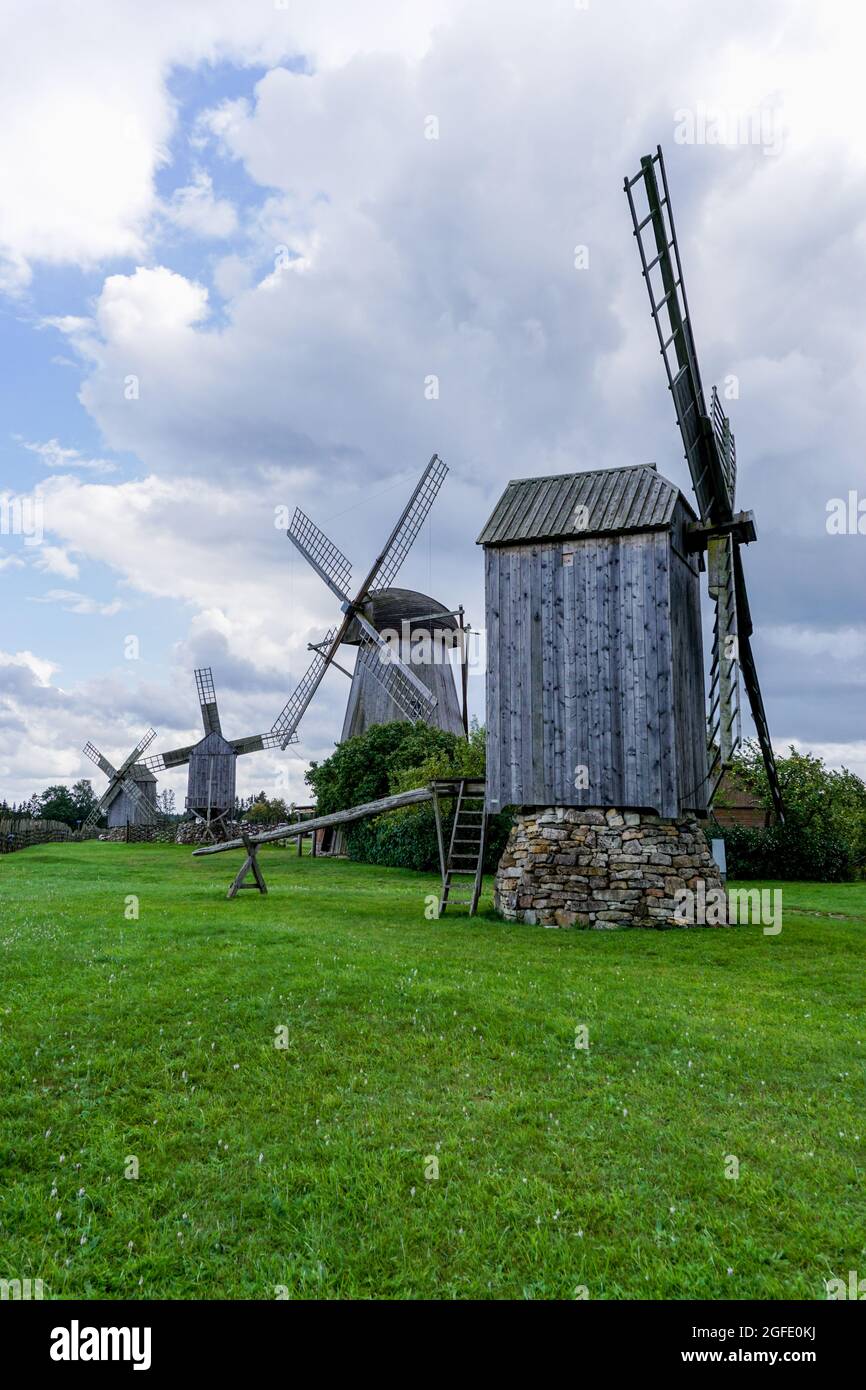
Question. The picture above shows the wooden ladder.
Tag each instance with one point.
(461, 884)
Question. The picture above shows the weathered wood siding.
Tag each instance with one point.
(212, 772)
(122, 809)
(581, 673)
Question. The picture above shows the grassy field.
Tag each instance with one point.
(409, 1043)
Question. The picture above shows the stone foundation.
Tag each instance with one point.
(565, 867)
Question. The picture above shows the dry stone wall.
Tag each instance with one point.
(564, 867)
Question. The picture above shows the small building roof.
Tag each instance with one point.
(636, 498)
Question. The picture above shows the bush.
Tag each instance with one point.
(825, 815)
(786, 852)
(391, 758)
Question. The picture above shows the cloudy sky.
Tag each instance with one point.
(238, 239)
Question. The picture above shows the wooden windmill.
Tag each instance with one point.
(131, 792)
(599, 732)
(711, 455)
(212, 761)
(388, 682)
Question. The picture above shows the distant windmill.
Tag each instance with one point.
(384, 687)
(212, 761)
(131, 791)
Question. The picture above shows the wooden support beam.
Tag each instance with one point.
(250, 865)
(285, 832)
(741, 527)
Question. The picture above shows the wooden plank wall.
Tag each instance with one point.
(122, 810)
(212, 766)
(581, 673)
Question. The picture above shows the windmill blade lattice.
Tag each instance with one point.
(287, 721)
(663, 275)
(725, 444)
(101, 761)
(327, 559)
(397, 680)
(403, 536)
(711, 454)
(135, 755)
(174, 757)
(210, 715)
(724, 702)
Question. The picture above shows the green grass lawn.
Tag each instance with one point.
(308, 1166)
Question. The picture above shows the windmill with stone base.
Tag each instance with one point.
(389, 681)
(130, 797)
(598, 729)
(212, 761)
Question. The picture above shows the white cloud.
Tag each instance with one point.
(40, 668)
(61, 459)
(72, 602)
(87, 116)
(195, 209)
(54, 560)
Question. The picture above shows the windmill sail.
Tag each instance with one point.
(725, 444)
(663, 275)
(400, 683)
(135, 755)
(724, 714)
(327, 559)
(289, 718)
(102, 762)
(403, 536)
(175, 757)
(711, 454)
(210, 715)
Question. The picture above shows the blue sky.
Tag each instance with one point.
(242, 207)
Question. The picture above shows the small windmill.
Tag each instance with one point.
(403, 693)
(711, 455)
(124, 798)
(212, 761)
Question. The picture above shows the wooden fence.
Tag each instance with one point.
(27, 833)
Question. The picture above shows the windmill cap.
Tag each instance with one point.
(386, 609)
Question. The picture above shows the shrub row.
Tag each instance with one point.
(785, 852)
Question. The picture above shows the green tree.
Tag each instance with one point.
(364, 768)
(83, 798)
(56, 803)
(262, 811)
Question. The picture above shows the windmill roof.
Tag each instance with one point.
(636, 498)
(388, 608)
